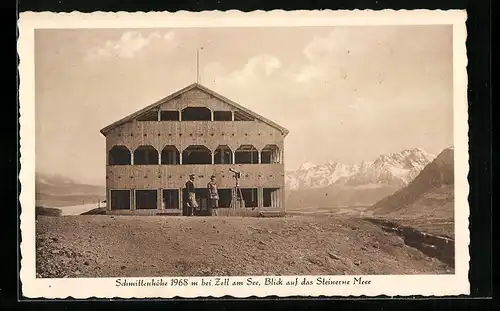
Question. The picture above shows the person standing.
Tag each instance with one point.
(213, 195)
(190, 189)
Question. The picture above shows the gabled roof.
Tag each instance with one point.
(184, 90)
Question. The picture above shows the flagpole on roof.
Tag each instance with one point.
(198, 64)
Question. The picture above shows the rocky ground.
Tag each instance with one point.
(128, 246)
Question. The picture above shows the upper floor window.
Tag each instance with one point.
(170, 155)
(223, 115)
(270, 154)
(246, 154)
(196, 114)
(146, 155)
(196, 154)
(223, 155)
(169, 115)
(119, 155)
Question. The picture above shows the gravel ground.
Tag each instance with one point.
(133, 246)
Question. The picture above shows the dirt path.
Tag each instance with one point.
(128, 246)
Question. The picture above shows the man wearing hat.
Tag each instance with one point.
(213, 194)
(191, 202)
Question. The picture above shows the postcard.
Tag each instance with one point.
(210, 154)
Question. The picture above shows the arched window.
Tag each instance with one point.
(196, 154)
(246, 154)
(223, 155)
(196, 114)
(170, 155)
(119, 155)
(270, 154)
(146, 155)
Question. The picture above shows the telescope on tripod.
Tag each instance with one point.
(236, 195)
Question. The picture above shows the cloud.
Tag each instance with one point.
(319, 55)
(329, 56)
(255, 69)
(128, 45)
(308, 73)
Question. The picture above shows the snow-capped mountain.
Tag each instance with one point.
(395, 169)
(310, 175)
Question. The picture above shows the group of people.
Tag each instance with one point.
(213, 195)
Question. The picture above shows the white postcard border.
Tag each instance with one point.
(393, 285)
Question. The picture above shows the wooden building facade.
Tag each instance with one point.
(150, 154)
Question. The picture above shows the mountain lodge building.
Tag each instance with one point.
(150, 154)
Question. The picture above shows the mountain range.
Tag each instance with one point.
(339, 185)
(395, 169)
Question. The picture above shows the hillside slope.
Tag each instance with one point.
(135, 246)
(431, 193)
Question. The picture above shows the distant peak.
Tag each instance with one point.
(307, 166)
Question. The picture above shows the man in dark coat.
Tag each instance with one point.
(190, 189)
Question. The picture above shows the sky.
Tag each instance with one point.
(346, 94)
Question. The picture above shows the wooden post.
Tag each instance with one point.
(260, 197)
(132, 199)
(181, 204)
(282, 198)
(159, 195)
(108, 200)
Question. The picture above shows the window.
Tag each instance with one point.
(270, 197)
(146, 155)
(246, 154)
(196, 114)
(170, 155)
(223, 155)
(120, 199)
(250, 197)
(196, 154)
(169, 115)
(171, 198)
(119, 155)
(145, 199)
(223, 116)
(270, 154)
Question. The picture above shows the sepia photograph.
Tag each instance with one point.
(281, 155)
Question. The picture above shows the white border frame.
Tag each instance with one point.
(396, 285)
